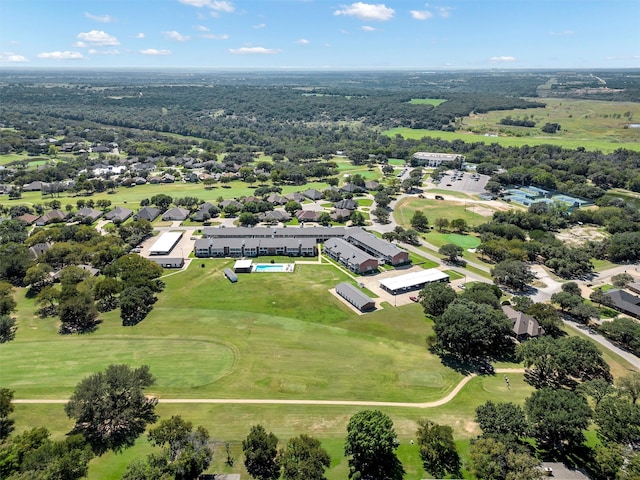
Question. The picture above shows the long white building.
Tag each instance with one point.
(165, 243)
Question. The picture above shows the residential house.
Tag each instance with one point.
(147, 213)
(90, 213)
(54, 216)
(39, 248)
(524, 326)
(307, 216)
(347, 203)
(175, 214)
(371, 185)
(274, 216)
(351, 188)
(313, 194)
(340, 214)
(202, 214)
(28, 218)
(624, 302)
(118, 214)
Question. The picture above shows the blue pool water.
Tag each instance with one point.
(273, 267)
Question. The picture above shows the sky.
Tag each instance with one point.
(320, 34)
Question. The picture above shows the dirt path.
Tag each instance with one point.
(258, 401)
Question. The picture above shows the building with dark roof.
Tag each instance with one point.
(386, 252)
(624, 302)
(54, 216)
(147, 213)
(350, 256)
(175, 214)
(524, 326)
(254, 247)
(168, 262)
(90, 213)
(118, 214)
(355, 297)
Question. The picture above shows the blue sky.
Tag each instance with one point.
(320, 34)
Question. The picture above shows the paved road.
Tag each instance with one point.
(258, 401)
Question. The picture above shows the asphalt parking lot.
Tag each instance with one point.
(464, 182)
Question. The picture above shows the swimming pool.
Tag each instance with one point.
(273, 267)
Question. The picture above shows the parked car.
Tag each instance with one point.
(413, 299)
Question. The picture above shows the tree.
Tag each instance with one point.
(261, 454)
(565, 300)
(437, 449)
(441, 224)
(597, 389)
(451, 251)
(382, 214)
(572, 288)
(550, 127)
(419, 221)
(468, 329)
(66, 459)
(188, 452)
(6, 408)
(7, 328)
(521, 303)
(505, 422)
(110, 408)
(292, 207)
(485, 293)
(621, 280)
(357, 218)
(513, 274)
(630, 385)
(304, 459)
(135, 304)
(548, 318)
(382, 199)
(161, 201)
(370, 445)
(562, 362)
(557, 418)
(247, 218)
(492, 460)
(459, 225)
(435, 298)
(618, 421)
(609, 460)
(78, 313)
(15, 262)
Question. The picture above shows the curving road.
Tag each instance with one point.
(258, 401)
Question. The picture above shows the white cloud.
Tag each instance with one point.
(564, 33)
(303, 41)
(213, 36)
(367, 11)
(153, 51)
(444, 12)
(79, 45)
(368, 28)
(66, 55)
(93, 51)
(98, 37)
(624, 57)
(217, 5)
(173, 35)
(140, 35)
(99, 18)
(253, 51)
(12, 58)
(259, 26)
(421, 14)
(201, 28)
(502, 59)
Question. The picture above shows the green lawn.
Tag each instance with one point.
(427, 101)
(588, 143)
(433, 209)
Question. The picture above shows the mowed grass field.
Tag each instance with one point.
(269, 336)
(592, 124)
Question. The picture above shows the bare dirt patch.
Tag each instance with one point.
(580, 234)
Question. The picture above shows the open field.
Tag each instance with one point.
(270, 336)
(592, 124)
(427, 101)
(433, 209)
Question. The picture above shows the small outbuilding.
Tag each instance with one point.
(169, 262)
(413, 280)
(232, 277)
(242, 266)
(355, 297)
